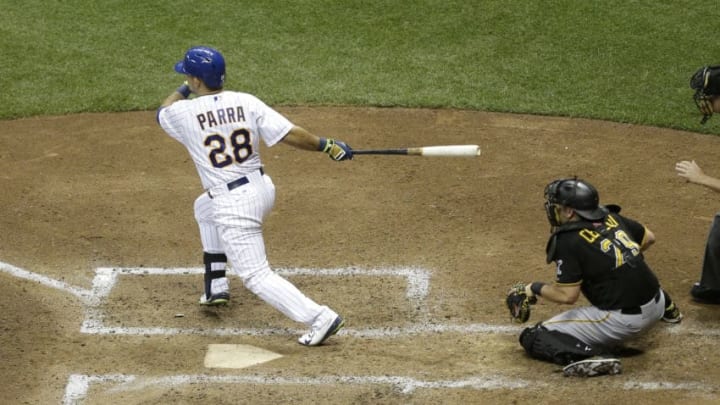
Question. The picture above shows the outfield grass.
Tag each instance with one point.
(626, 61)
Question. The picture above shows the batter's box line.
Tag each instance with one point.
(418, 281)
(78, 385)
(96, 328)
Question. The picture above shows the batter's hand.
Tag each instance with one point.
(337, 150)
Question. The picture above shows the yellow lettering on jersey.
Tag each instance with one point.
(589, 235)
(610, 222)
(606, 245)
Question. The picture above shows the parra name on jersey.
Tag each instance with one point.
(221, 116)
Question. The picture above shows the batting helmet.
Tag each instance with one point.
(576, 194)
(204, 63)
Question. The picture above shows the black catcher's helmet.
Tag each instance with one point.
(576, 194)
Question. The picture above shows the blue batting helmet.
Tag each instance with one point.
(205, 63)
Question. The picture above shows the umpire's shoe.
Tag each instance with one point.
(322, 329)
(216, 299)
(705, 295)
(593, 366)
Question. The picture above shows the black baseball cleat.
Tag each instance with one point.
(705, 295)
(672, 314)
(216, 299)
(592, 367)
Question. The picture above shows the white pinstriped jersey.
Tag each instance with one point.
(222, 132)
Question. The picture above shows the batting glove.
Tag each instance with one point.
(337, 150)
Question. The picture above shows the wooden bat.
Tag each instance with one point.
(440, 150)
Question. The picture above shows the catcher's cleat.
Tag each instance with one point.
(672, 314)
(215, 299)
(592, 367)
(318, 334)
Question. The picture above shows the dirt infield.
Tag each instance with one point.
(99, 252)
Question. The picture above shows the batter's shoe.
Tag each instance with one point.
(594, 366)
(318, 334)
(216, 299)
(672, 314)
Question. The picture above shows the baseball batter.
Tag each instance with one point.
(598, 253)
(222, 131)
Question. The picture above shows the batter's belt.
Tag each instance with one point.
(223, 188)
(638, 310)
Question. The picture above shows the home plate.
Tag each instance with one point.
(237, 356)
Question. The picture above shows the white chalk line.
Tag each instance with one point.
(369, 333)
(418, 285)
(80, 293)
(418, 281)
(78, 385)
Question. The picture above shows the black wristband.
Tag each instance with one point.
(184, 90)
(536, 286)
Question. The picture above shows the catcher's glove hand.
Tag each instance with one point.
(518, 302)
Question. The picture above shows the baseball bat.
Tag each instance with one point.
(440, 150)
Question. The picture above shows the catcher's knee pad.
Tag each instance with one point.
(554, 346)
(214, 268)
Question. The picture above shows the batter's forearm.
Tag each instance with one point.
(175, 96)
(302, 139)
(181, 93)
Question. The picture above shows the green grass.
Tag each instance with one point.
(625, 61)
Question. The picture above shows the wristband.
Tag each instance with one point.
(326, 144)
(184, 90)
(536, 286)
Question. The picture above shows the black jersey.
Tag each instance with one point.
(604, 258)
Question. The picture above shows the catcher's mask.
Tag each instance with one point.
(206, 63)
(706, 83)
(577, 194)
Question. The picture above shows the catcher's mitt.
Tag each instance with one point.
(519, 303)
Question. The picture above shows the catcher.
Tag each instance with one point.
(598, 253)
(706, 83)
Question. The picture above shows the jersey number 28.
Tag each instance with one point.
(239, 142)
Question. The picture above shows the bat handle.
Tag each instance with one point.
(403, 151)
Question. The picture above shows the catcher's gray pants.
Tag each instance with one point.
(710, 278)
(597, 327)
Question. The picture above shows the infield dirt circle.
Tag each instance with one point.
(98, 251)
